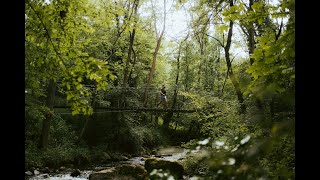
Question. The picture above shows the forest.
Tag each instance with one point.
(168, 89)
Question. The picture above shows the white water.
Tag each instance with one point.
(169, 154)
(65, 176)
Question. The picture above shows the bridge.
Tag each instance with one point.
(112, 109)
(111, 100)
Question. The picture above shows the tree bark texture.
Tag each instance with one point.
(46, 122)
(154, 59)
(232, 77)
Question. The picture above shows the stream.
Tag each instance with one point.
(169, 154)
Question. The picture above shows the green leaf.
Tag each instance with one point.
(75, 112)
(79, 86)
(69, 96)
(68, 86)
(223, 28)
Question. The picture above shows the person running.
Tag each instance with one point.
(163, 97)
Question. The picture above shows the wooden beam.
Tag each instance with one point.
(136, 109)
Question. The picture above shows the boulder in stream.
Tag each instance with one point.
(175, 168)
(36, 172)
(62, 168)
(125, 171)
(75, 173)
(45, 170)
(118, 157)
(28, 173)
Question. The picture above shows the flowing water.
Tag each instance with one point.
(63, 176)
(169, 154)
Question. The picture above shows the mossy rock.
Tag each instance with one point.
(175, 168)
(125, 172)
(135, 170)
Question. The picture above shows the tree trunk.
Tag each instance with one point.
(127, 64)
(46, 122)
(251, 47)
(89, 118)
(251, 35)
(131, 81)
(218, 74)
(168, 116)
(154, 59)
(132, 35)
(200, 64)
(232, 77)
(187, 70)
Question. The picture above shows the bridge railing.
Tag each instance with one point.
(133, 97)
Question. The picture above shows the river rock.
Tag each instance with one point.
(106, 156)
(175, 168)
(62, 168)
(125, 171)
(75, 173)
(45, 175)
(154, 152)
(28, 173)
(124, 158)
(36, 172)
(45, 170)
(118, 157)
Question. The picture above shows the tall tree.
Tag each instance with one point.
(228, 61)
(130, 48)
(154, 56)
(55, 34)
(228, 14)
(168, 116)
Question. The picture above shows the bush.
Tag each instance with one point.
(144, 138)
(62, 140)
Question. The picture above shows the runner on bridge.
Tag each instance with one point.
(163, 97)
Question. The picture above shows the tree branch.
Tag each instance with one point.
(119, 35)
(243, 28)
(216, 40)
(48, 34)
(280, 29)
(227, 74)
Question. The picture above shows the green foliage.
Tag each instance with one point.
(62, 149)
(79, 43)
(281, 159)
(33, 157)
(241, 148)
(196, 165)
(273, 71)
(145, 138)
(55, 50)
(61, 134)
(57, 156)
(217, 118)
(159, 174)
(244, 158)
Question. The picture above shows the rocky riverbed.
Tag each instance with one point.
(171, 154)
